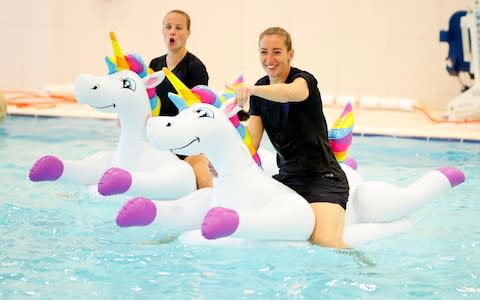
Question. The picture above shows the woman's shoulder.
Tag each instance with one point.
(192, 59)
(158, 63)
(296, 72)
(263, 81)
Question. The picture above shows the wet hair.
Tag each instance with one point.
(181, 12)
(280, 32)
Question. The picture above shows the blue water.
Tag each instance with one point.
(58, 243)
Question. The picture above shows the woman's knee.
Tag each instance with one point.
(199, 164)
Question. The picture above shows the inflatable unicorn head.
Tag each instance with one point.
(126, 87)
(206, 105)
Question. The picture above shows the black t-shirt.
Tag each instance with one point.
(298, 131)
(190, 70)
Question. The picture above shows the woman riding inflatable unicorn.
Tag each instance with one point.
(246, 204)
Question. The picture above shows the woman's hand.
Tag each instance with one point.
(242, 95)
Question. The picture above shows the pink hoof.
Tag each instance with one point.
(114, 181)
(137, 212)
(47, 168)
(219, 222)
(454, 175)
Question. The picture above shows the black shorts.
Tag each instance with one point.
(317, 188)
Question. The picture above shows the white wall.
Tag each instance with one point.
(354, 47)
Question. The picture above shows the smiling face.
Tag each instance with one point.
(193, 131)
(275, 56)
(121, 92)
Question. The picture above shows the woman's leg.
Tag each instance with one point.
(329, 225)
(199, 165)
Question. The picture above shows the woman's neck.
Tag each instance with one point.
(174, 57)
(281, 78)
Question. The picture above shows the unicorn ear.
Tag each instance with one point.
(179, 102)
(153, 79)
(112, 67)
(229, 108)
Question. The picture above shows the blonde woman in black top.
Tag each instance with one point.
(189, 69)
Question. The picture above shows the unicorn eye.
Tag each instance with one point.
(128, 83)
(204, 112)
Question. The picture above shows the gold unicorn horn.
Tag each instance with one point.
(181, 88)
(122, 63)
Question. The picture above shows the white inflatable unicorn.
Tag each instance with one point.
(246, 204)
(134, 167)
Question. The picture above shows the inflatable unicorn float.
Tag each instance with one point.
(134, 167)
(245, 203)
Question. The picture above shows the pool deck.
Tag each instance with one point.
(397, 123)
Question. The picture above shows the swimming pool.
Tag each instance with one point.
(57, 242)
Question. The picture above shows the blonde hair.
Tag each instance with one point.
(280, 32)
(181, 12)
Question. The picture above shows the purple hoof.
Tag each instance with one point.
(137, 212)
(454, 175)
(47, 168)
(114, 181)
(219, 222)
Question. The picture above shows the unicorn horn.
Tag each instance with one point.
(122, 63)
(181, 88)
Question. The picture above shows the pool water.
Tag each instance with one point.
(56, 242)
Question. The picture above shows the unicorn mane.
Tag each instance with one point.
(135, 63)
(340, 135)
